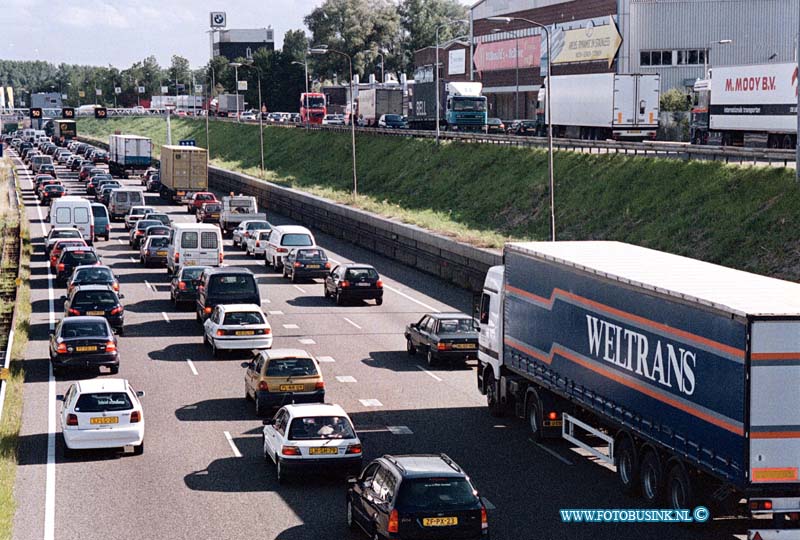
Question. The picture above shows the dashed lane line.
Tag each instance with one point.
(166, 317)
(429, 373)
(232, 444)
(351, 322)
(191, 366)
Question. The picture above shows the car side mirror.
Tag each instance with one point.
(352, 480)
(246, 364)
(60, 397)
(140, 393)
(52, 332)
(120, 296)
(269, 422)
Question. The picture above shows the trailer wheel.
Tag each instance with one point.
(679, 487)
(534, 416)
(651, 478)
(627, 463)
(496, 408)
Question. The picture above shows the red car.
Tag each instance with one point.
(199, 199)
(58, 247)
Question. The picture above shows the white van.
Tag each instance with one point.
(121, 201)
(283, 239)
(194, 244)
(28, 134)
(38, 161)
(71, 211)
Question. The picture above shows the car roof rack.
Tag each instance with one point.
(450, 462)
(393, 460)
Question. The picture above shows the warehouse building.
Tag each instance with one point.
(242, 43)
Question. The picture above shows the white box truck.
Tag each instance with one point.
(129, 154)
(375, 102)
(601, 106)
(753, 106)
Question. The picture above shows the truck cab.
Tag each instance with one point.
(465, 108)
(490, 337)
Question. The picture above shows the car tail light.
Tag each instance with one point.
(263, 386)
(258, 243)
(761, 505)
(443, 346)
(379, 284)
(136, 416)
(53, 258)
(247, 235)
(62, 348)
(394, 522)
(221, 257)
(282, 250)
(221, 332)
(327, 266)
(319, 385)
(266, 331)
(207, 310)
(139, 233)
(61, 267)
(297, 265)
(553, 415)
(345, 284)
(353, 449)
(290, 451)
(72, 311)
(177, 258)
(91, 232)
(182, 285)
(111, 346)
(115, 286)
(72, 419)
(117, 310)
(484, 518)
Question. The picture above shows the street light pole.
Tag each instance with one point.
(436, 72)
(235, 66)
(305, 64)
(260, 118)
(707, 54)
(549, 117)
(321, 50)
(383, 61)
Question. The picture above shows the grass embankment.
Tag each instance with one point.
(12, 409)
(743, 217)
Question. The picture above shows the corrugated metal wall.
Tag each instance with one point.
(759, 29)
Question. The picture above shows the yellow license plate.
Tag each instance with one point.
(95, 312)
(245, 333)
(215, 216)
(290, 387)
(161, 253)
(312, 266)
(326, 450)
(463, 346)
(104, 420)
(439, 521)
(87, 348)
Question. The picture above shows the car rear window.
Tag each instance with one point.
(81, 257)
(253, 225)
(70, 233)
(103, 401)
(93, 275)
(212, 207)
(83, 329)
(192, 272)
(54, 187)
(361, 273)
(189, 240)
(208, 240)
(99, 211)
(160, 241)
(94, 298)
(311, 255)
(145, 223)
(164, 219)
(291, 367)
(232, 284)
(295, 239)
(157, 231)
(434, 493)
(243, 317)
(321, 427)
(122, 197)
(456, 325)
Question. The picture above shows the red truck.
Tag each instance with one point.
(199, 199)
(312, 107)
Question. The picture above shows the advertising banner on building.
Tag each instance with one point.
(524, 52)
(10, 97)
(592, 43)
(457, 62)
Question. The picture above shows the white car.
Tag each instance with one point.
(237, 327)
(102, 413)
(59, 233)
(135, 214)
(247, 116)
(311, 435)
(243, 230)
(333, 120)
(256, 243)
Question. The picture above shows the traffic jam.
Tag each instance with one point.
(94, 222)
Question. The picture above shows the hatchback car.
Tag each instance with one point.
(280, 376)
(308, 437)
(57, 233)
(228, 285)
(83, 172)
(135, 214)
(60, 245)
(245, 228)
(102, 413)
(93, 275)
(416, 496)
(97, 300)
(83, 342)
(52, 191)
(154, 184)
(47, 169)
(160, 216)
(154, 250)
(256, 243)
(209, 213)
(306, 263)
(443, 336)
(138, 231)
(354, 282)
(102, 225)
(183, 285)
(71, 258)
(237, 327)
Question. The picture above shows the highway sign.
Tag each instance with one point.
(187, 142)
(100, 112)
(68, 112)
(36, 112)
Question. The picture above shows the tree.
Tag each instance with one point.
(673, 100)
(420, 19)
(295, 45)
(179, 71)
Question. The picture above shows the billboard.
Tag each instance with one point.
(591, 43)
(524, 52)
(457, 62)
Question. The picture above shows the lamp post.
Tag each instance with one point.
(436, 69)
(383, 60)
(707, 53)
(305, 64)
(235, 66)
(260, 118)
(325, 50)
(549, 117)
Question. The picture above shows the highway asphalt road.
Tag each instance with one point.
(193, 482)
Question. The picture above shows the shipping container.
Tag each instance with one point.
(184, 170)
(129, 154)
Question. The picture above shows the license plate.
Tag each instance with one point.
(463, 346)
(245, 333)
(104, 420)
(215, 216)
(325, 450)
(161, 253)
(86, 348)
(439, 521)
(312, 266)
(363, 284)
(290, 387)
(95, 312)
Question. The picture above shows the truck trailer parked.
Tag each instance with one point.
(375, 102)
(601, 106)
(226, 105)
(461, 106)
(753, 106)
(184, 171)
(689, 371)
(129, 154)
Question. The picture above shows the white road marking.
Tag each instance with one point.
(371, 403)
(191, 366)
(488, 504)
(275, 312)
(351, 322)
(291, 326)
(265, 301)
(307, 341)
(164, 314)
(400, 430)
(134, 261)
(346, 379)
(328, 359)
(299, 288)
(552, 453)
(429, 373)
(147, 284)
(236, 452)
(404, 295)
(120, 240)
